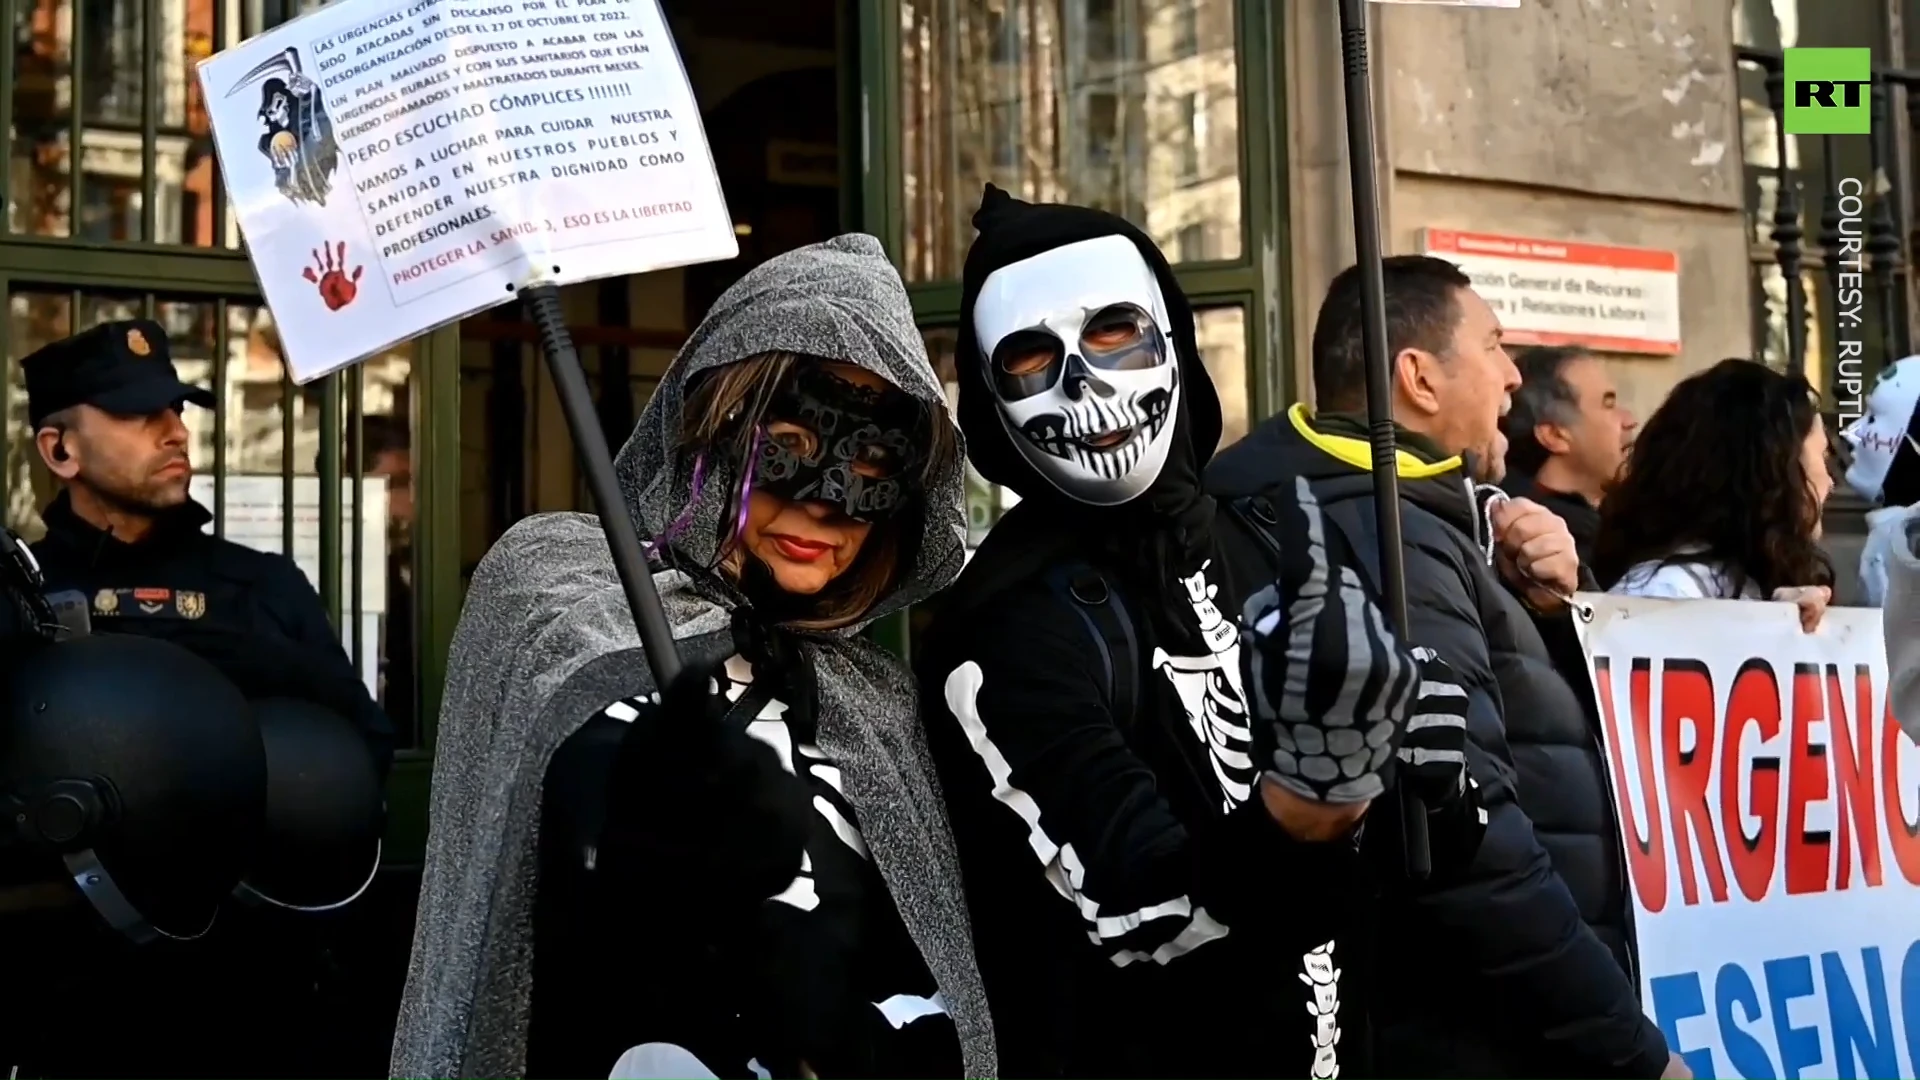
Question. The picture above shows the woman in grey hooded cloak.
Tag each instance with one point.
(546, 644)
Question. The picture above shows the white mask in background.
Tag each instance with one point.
(1878, 435)
(1079, 354)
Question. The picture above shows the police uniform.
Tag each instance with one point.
(241, 1001)
(254, 614)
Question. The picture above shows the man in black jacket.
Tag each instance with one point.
(1544, 918)
(1159, 851)
(1567, 437)
(105, 406)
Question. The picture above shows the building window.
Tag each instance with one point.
(1190, 244)
(1102, 30)
(109, 190)
(1004, 124)
(1003, 29)
(1186, 28)
(956, 75)
(1190, 135)
(1103, 129)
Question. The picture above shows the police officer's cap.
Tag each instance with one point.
(124, 368)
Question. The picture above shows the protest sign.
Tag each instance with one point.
(1770, 814)
(395, 167)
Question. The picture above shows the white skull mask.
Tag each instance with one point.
(1877, 436)
(1079, 354)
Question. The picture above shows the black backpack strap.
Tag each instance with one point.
(1104, 613)
(1260, 517)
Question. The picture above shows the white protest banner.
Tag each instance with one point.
(397, 166)
(1770, 815)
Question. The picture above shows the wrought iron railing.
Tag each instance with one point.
(1874, 239)
(1882, 231)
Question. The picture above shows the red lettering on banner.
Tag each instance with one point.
(1853, 775)
(1902, 835)
(1809, 854)
(1646, 856)
(1686, 695)
(1753, 702)
(1741, 809)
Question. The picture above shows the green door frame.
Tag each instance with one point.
(439, 591)
(1257, 280)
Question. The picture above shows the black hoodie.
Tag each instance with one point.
(1135, 912)
(1542, 938)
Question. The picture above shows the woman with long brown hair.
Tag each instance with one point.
(1723, 494)
(747, 872)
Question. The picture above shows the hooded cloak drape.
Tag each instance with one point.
(546, 641)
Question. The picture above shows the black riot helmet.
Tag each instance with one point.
(139, 766)
(325, 810)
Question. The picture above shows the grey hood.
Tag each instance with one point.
(545, 641)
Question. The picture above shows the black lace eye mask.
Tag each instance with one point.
(825, 439)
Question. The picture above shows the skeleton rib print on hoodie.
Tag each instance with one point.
(1136, 909)
(807, 913)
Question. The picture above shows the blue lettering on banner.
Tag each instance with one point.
(1858, 1028)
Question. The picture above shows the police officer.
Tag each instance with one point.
(256, 995)
(106, 406)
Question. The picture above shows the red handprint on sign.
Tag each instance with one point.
(338, 285)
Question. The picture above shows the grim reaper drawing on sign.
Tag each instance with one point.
(298, 137)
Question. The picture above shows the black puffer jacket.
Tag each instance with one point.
(1560, 998)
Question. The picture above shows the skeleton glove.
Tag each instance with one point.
(1332, 686)
(694, 798)
(1432, 763)
(1433, 760)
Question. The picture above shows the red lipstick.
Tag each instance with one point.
(800, 550)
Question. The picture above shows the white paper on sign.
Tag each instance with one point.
(398, 167)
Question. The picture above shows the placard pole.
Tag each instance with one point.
(1363, 168)
(583, 422)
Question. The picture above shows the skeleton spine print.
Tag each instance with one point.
(1323, 1004)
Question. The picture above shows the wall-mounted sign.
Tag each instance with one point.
(1555, 292)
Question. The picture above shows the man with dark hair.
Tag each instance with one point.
(1539, 923)
(1567, 437)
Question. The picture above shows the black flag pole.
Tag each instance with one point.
(1373, 327)
(590, 441)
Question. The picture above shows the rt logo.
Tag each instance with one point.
(1827, 91)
